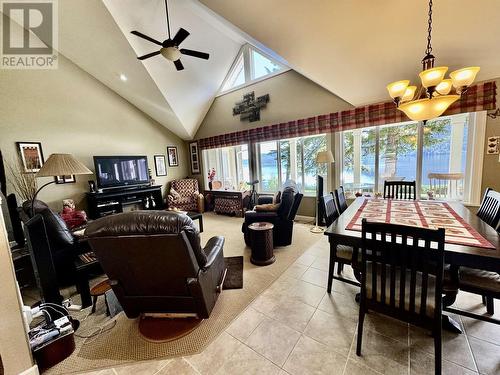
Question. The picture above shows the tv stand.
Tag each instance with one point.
(114, 201)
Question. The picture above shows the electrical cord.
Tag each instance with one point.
(101, 330)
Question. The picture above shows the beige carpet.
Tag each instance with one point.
(120, 342)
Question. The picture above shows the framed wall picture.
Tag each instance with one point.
(173, 158)
(195, 158)
(71, 179)
(160, 165)
(31, 155)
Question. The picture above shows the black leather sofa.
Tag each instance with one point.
(282, 218)
(156, 264)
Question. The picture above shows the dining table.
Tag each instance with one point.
(479, 257)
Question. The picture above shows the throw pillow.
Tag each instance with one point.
(174, 194)
(267, 207)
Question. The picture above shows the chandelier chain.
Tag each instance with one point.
(429, 30)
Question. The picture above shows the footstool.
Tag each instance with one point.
(100, 290)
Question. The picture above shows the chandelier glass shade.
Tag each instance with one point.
(436, 92)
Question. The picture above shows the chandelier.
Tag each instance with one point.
(436, 93)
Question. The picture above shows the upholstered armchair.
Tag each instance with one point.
(155, 262)
(185, 195)
(280, 214)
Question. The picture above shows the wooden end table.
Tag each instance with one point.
(261, 240)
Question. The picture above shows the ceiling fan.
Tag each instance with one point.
(170, 47)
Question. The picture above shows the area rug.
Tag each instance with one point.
(424, 214)
(120, 343)
(234, 275)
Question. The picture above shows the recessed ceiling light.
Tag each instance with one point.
(123, 77)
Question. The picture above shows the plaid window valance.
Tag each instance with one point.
(477, 98)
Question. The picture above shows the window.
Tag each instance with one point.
(262, 66)
(290, 159)
(251, 65)
(231, 165)
(434, 155)
(236, 76)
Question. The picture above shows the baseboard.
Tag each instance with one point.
(31, 371)
(304, 218)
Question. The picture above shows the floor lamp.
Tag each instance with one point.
(59, 165)
(322, 157)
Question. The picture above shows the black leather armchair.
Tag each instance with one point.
(282, 218)
(156, 264)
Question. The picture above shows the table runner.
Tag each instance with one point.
(426, 214)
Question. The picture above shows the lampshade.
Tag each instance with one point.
(425, 109)
(62, 165)
(432, 77)
(324, 157)
(398, 88)
(464, 77)
(409, 93)
(444, 87)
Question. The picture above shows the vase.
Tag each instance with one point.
(210, 185)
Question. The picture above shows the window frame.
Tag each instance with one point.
(246, 52)
(298, 142)
(474, 149)
(219, 161)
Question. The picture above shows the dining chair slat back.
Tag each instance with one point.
(340, 200)
(330, 209)
(400, 190)
(402, 276)
(489, 211)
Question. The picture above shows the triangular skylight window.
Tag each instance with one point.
(236, 76)
(251, 65)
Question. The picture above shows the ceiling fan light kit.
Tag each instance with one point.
(435, 94)
(170, 47)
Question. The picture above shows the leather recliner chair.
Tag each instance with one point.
(155, 262)
(282, 218)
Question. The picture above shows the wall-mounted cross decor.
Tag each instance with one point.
(249, 107)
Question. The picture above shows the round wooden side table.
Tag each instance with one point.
(100, 290)
(261, 241)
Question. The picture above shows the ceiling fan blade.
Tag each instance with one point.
(141, 35)
(200, 55)
(180, 36)
(149, 55)
(178, 65)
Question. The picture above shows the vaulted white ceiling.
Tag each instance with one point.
(355, 48)
(189, 92)
(95, 35)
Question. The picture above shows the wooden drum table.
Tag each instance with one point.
(261, 240)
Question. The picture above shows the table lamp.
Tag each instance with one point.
(59, 165)
(322, 157)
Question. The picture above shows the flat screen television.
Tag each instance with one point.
(121, 171)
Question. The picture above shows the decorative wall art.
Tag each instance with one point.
(195, 159)
(173, 158)
(160, 165)
(493, 145)
(249, 108)
(31, 155)
(71, 179)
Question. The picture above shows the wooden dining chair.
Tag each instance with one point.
(340, 200)
(489, 210)
(402, 271)
(329, 209)
(477, 281)
(343, 254)
(400, 190)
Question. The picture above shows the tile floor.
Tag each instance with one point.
(296, 328)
